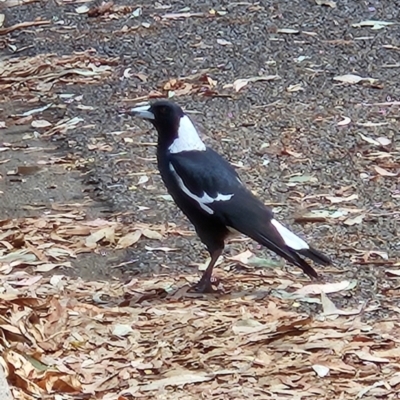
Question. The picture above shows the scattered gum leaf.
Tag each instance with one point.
(325, 288)
(293, 180)
(328, 3)
(224, 42)
(336, 200)
(363, 355)
(320, 370)
(179, 378)
(353, 79)
(246, 326)
(295, 88)
(370, 124)
(165, 249)
(150, 234)
(345, 121)
(242, 257)
(354, 220)
(372, 24)
(40, 123)
(122, 330)
(143, 179)
(260, 262)
(241, 83)
(393, 272)
(383, 172)
(82, 9)
(129, 239)
(368, 139)
(288, 31)
(384, 141)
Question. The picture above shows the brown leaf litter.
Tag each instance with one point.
(58, 339)
(153, 338)
(51, 240)
(42, 71)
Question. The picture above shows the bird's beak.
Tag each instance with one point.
(142, 112)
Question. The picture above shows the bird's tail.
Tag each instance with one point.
(250, 216)
(315, 255)
(285, 243)
(292, 255)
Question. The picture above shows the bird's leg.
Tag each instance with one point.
(204, 285)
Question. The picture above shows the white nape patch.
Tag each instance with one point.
(291, 240)
(203, 200)
(188, 138)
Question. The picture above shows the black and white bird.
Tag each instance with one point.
(210, 193)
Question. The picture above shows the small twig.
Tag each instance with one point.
(22, 25)
(384, 104)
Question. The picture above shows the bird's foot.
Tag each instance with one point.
(205, 286)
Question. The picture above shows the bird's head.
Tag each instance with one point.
(176, 131)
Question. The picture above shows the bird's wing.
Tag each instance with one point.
(205, 177)
(213, 184)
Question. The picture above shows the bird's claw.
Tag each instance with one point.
(204, 286)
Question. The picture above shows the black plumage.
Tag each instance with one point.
(210, 193)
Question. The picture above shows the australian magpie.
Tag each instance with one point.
(210, 193)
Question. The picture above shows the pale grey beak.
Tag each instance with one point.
(143, 112)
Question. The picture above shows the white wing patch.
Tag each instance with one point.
(291, 240)
(203, 200)
(188, 138)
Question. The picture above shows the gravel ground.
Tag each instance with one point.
(302, 122)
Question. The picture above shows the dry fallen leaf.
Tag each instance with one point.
(383, 172)
(353, 79)
(242, 257)
(178, 378)
(372, 24)
(295, 88)
(165, 249)
(182, 15)
(362, 355)
(368, 139)
(394, 272)
(106, 233)
(246, 326)
(345, 121)
(344, 199)
(354, 220)
(328, 306)
(241, 83)
(82, 9)
(298, 179)
(103, 8)
(122, 330)
(150, 234)
(41, 123)
(325, 288)
(224, 42)
(328, 3)
(384, 141)
(129, 239)
(320, 370)
(288, 31)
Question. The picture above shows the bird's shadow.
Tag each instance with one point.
(132, 298)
